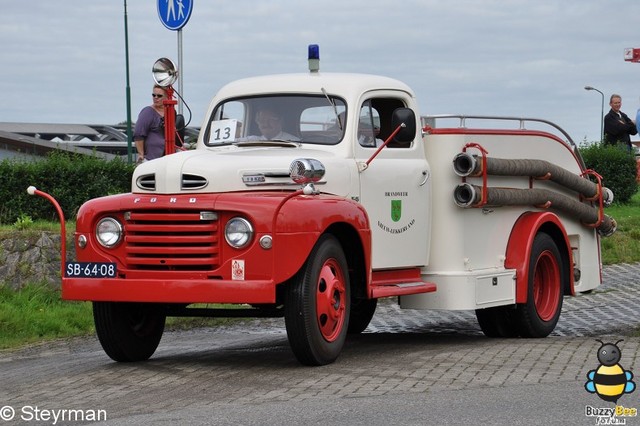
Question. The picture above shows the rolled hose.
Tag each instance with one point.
(465, 164)
(467, 195)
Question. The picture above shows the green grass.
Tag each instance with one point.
(624, 245)
(36, 313)
(37, 225)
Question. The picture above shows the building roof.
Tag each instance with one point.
(55, 129)
(22, 145)
(38, 139)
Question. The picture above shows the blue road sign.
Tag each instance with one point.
(174, 14)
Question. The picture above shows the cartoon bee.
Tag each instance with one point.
(610, 381)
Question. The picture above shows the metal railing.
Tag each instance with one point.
(431, 121)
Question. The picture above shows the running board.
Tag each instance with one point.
(399, 283)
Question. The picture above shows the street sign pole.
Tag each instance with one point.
(174, 14)
(181, 68)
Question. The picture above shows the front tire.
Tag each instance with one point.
(362, 311)
(128, 332)
(499, 321)
(317, 305)
(539, 315)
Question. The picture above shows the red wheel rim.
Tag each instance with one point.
(546, 286)
(330, 300)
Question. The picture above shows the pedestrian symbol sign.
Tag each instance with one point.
(174, 14)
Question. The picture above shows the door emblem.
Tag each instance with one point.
(396, 210)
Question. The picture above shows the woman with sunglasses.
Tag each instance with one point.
(148, 134)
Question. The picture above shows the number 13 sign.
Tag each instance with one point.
(223, 131)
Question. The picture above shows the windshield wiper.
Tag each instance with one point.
(270, 142)
(335, 109)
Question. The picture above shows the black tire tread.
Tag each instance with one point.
(302, 329)
(529, 322)
(118, 340)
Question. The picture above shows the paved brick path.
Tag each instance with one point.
(406, 353)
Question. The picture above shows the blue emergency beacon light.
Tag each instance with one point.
(314, 58)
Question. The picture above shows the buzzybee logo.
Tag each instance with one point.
(610, 381)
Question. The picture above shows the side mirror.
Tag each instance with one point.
(407, 133)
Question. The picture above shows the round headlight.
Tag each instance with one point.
(238, 232)
(109, 232)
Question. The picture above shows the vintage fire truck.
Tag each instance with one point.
(310, 196)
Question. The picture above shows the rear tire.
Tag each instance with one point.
(317, 305)
(129, 332)
(539, 315)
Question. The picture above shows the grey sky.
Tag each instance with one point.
(64, 61)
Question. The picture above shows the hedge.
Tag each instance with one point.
(74, 178)
(71, 178)
(616, 165)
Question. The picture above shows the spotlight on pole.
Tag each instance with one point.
(165, 73)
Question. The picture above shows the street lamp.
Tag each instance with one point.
(601, 111)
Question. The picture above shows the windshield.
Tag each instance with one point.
(296, 118)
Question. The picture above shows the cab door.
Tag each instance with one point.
(394, 189)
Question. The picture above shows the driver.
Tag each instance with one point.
(270, 124)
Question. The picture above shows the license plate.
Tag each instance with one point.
(90, 270)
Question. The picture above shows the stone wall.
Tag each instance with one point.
(31, 257)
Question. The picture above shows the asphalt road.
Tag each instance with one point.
(408, 368)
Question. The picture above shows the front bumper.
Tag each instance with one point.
(168, 290)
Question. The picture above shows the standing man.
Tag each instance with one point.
(617, 125)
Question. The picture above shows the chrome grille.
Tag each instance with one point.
(171, 240)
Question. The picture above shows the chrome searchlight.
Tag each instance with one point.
(165, 72)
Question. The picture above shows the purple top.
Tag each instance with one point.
(150, 128)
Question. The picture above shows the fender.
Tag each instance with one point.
(520, 242)
(303, 219)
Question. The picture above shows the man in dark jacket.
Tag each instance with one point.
(617, 125)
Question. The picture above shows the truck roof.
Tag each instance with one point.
(343, 84)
